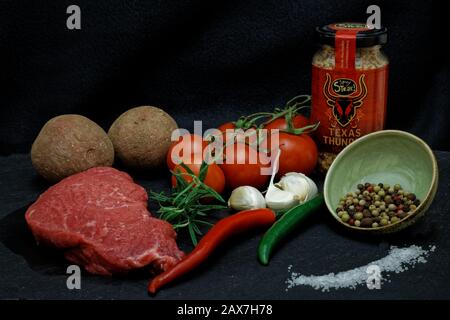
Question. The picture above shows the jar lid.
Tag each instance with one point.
(364, 38)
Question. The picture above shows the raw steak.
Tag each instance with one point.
(100, 218)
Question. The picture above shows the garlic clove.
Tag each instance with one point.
(246, 198)
(299, 184)
(278, 199)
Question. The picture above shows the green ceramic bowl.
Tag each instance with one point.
(388, 156)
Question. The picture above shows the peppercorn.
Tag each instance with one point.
(374, 205)
(366, 222)
(392, 207)
(411, 196)
(394, 219)
(345, 217)
(401, 214)
(359, 215)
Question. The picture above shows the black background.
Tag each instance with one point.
(202, 60)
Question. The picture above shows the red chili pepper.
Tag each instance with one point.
(221, 231)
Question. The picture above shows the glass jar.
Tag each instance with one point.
(349, 86)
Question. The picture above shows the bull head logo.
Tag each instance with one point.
(341, 98)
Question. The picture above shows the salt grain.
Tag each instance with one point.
(396, 261)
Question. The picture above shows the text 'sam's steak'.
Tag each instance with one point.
(100, 218)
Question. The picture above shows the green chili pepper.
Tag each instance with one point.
(285, 225)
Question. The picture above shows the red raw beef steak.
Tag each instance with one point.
(100, 218)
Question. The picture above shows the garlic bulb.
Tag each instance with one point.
(245, 198)
(278, 199)
(292, 189)
(300, 185)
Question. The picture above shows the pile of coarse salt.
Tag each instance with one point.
(398, 260)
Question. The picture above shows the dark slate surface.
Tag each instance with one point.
(319, 247)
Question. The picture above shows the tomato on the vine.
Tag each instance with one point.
(214, 178)
(249, 136)
(298, 153)
(242, 166)
(226, 126)
(188, 149)
(298, 121)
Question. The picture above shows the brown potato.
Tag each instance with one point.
(141, 137)
(68, 144)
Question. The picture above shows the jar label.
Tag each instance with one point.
(349, 103)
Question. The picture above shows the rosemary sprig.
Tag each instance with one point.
(184, 207)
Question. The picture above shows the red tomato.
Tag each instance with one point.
(242, 166)
(229, 126)
(214, 179)
(298, 153)
(249, 136)
(184, 150)
(225, 126)
(298, 121)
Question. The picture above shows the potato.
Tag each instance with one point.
(141, 137)
(68, 144)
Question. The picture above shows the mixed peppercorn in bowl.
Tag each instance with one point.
(382, 182)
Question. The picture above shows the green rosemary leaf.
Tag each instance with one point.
(191, 197)
(192, 234)
(204, 222)
(181, 182)
(159, 197)
(213, 192)
(179, 196)
(188, 170)
(203, 171)
(196, 229)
